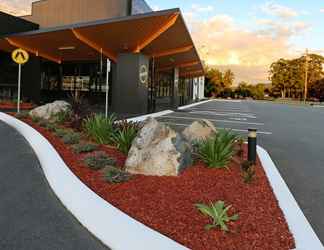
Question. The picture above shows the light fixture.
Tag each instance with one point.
(67, 48)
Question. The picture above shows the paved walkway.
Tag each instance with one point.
(31, 217)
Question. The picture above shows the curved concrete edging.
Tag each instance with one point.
(110, 225)
(305, 237)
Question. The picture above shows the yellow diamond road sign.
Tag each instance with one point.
(20, 56)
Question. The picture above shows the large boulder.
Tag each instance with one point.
(199, 130)
(158, 151)
(49, 110)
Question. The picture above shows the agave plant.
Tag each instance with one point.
(218, 150)
(218, 212)
(123, 139)
(100, 128)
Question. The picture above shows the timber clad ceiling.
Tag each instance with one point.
(162, 35)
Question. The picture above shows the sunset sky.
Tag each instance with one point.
(244, 35)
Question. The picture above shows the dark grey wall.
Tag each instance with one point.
(130, 96)
(30, 80)
(10, 24)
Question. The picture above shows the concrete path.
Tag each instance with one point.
(31, 217)
(293, 135)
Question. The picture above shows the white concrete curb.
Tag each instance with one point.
(194, 104)
(144, 117)
(305, 237)
(113, 227)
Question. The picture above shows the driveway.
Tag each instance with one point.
(293, 135)
(31, 217)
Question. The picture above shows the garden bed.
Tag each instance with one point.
(6, 105)
(167, 204)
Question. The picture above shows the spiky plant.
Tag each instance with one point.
(99, 160)
(218, 213)
(218, 150)
(100, 128)
(84, 148)
(123, 139)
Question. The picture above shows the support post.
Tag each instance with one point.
(19, 87)
(252, 145)
(107, 87)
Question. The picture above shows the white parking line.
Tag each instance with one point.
(252, 116)
(233, 129)
(238, 119)
(214, 120)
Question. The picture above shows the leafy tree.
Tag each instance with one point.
(218, 83)
(228, 78)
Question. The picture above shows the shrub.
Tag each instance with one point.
(123, 139)
(84, 148)
(124, 124)
(114, 175)
(80, 110)
(50, 126)
(248, 169)
(63, 116)
(71, 138)
(35, 119)
(100, 128)
(99, 160)
(22, 115)
(61, 132)
(218, 150)
(218, 212)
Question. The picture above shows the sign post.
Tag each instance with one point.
(20, 57)
(107, 86)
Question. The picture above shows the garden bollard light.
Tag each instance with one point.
(252, 145)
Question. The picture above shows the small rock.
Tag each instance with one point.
(49, 110)
(199, 130)
(158, 151)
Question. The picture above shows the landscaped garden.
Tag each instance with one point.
(195, 187)
(9, 105)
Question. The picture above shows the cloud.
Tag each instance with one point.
(322, 10)
(278, 10)
(200, 8)
(247, 52)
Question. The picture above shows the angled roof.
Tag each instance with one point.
(162, 35)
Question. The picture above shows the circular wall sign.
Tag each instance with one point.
(20, 56)
(143, 74)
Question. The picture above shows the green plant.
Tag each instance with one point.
(50, 126)
(71, 138)
(99, 160)
(61, 132)
(240, 150)
(35, 119)
(123, 139)
(100, 128)
(248, 169)
(22, 115)
(218, 212)
(114, 175)
(63, 116)
(84, 148)
(218, 150)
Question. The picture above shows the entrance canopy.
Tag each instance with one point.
(161, 35)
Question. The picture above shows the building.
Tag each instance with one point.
(154, 63)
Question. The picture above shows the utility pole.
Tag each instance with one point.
(306, 76)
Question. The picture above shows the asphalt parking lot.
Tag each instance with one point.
(293, 135)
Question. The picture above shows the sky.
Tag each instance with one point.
(243, 35)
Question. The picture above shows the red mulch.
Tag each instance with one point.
(11, 105)
(166, 204)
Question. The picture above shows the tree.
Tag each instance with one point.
(228, 78)
(288, 76)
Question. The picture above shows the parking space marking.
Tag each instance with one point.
(252, 116)
(233, 129)
(214, 120)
